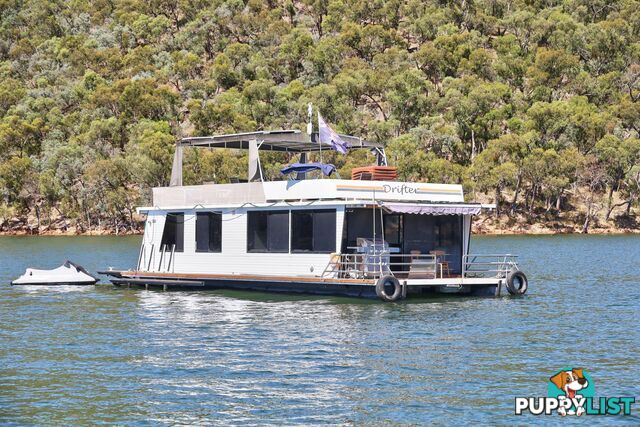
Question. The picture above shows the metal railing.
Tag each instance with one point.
(168, 256)
(490, 265)
(147, 257)
(375, 265)
(141, 256)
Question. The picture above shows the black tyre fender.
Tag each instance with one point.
(381, 288)
(517, 282)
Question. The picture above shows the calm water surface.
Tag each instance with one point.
(105, 355)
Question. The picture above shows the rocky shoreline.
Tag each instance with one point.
(489, 225)
(70, 232)
(483, 225)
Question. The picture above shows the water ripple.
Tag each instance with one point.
(100, 355)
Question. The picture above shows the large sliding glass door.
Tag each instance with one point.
(406, 233)
(426, 233)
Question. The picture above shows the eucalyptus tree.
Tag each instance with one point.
(505, 97)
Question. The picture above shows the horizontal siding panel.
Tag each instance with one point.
(234, 258)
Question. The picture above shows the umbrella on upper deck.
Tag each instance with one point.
(327, 169)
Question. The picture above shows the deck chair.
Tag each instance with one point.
(444, 265)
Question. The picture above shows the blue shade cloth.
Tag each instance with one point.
(329, 137)
(326, 169)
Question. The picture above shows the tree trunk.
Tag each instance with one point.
(473, 145)
(130, 219)
(628, 211)
(86, 214)
(534, 193)
(559, 201)
(609, 202)
(515, 195)
(585, 226)
(617, 205)
(64, 219)
(497, 201)
(38, 217)
(587, 220)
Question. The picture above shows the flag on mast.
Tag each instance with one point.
(330, 137)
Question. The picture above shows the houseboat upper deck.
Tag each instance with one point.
(358, 237)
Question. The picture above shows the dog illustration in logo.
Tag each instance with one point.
(570, 382)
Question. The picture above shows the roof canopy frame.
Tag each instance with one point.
(288, 141)
(284, 141)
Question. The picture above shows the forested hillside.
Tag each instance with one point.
(533, 104)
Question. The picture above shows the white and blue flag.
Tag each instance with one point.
(330, 137)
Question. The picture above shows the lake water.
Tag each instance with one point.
(127, 356)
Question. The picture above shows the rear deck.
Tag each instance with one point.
(485, 276)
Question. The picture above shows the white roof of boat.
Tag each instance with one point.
(306, 192)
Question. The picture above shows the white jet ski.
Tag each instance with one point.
(67, 274)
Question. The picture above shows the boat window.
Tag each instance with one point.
(173, 233)
(448, 235)
(208, 232)
(268, 231)
(313, 231)
(392, 228)
(360, 225)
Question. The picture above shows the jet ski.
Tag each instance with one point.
(68, 273)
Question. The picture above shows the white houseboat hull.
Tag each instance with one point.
(363, 238)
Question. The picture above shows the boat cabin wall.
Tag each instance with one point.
(288, 240)
(243, 241)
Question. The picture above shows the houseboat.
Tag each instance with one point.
(369, 236)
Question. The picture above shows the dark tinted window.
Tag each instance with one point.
(427, 233)
(208, 232)
(268, 231)
(392, 227)
(360, 224)
(173, 233)
(447, 236)
(313, 230)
